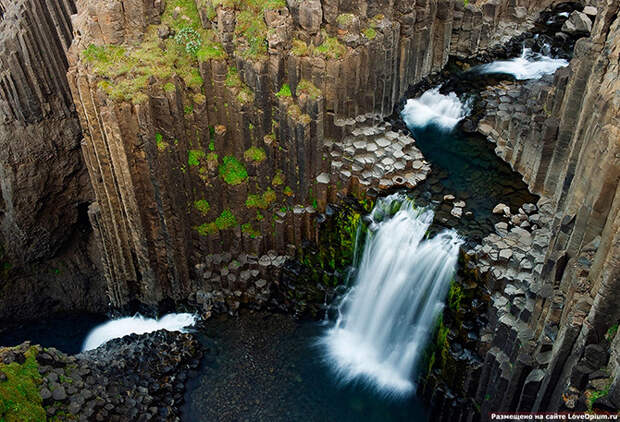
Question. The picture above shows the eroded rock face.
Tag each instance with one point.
(556, 299)
(260, 106)
(45, 241)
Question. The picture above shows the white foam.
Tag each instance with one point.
(387, 318)
(529, 65)
(434, 108)
(137, 324)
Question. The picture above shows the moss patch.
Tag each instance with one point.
(226, 220)
(232, 171)
(255, 154)
(248, 229)
(308, 88)
(19, 395)
(261, 201)
(194, 156)
(126, 70)
(202, 205)
(285, 91)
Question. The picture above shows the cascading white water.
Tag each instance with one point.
(435, 108)
(386, 318)
(530, 65)
(137, 324)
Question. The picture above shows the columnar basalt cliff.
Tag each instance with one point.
(44, 232)
(191, 148)
(205, 121)
(551, 342)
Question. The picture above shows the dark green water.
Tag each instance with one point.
(267, 367)
(467, 166)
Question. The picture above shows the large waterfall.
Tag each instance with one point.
(386, 318)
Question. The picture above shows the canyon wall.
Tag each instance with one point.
(209, 126)
(45, 189)
(552, 340)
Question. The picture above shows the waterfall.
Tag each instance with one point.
(530, 65)
(434, 108)
(386, 318)
(137, 324)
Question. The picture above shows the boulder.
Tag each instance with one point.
(501, 209)
(577, 23)
(590, 11)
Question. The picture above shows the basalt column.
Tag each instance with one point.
(563, 135)
(210, 127)
(45, 248)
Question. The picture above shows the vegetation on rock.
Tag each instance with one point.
(232, 171)
(19, 393)
(255, 154)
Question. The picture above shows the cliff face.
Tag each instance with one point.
(210, 126)
(558, 323)
(44, 184)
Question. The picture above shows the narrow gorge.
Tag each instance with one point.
(309, 210)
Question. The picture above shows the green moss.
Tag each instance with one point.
(455, 295)
(126, 71)
(288, 191)
(278, 179)
(232, 171)
(296, 114)
(202, 205)
(345, 19)
(252, 29)
(194, 157)
(308, 88)
(206, 229)
(161, 144)
(274, 4)
(370, 33)
(300, 49)
(285, 91)
(259, 216)
(593, 396)
(248, 229)
(611, 333)
(226, 220)
(255, 154)
(331, 48)
(169, 87)
(261, 201)
(19, 394)
(244, 94)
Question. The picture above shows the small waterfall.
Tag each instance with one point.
(530, 65)
(386, 318)
(137, 324)
(434, 108)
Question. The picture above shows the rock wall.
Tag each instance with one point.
(552, 335)
(45, 190)
(214, 141)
